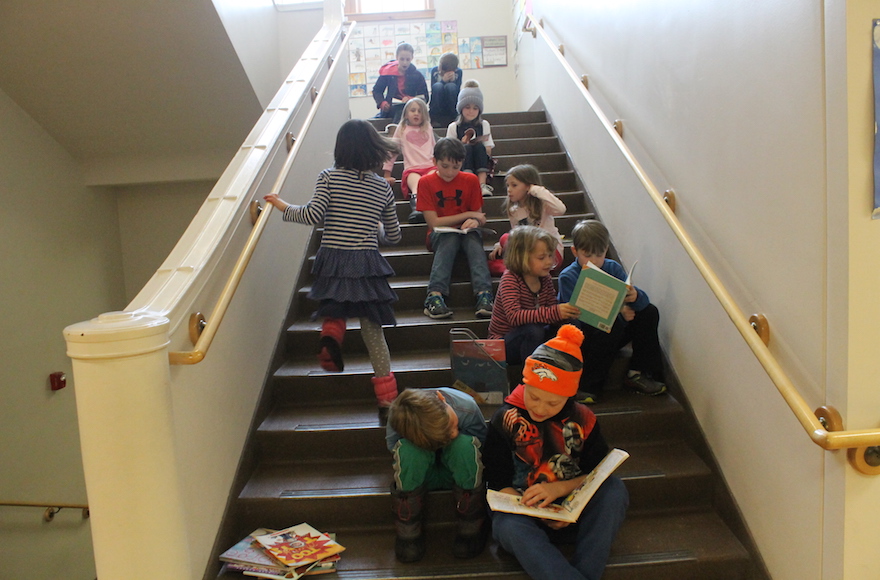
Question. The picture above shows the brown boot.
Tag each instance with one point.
(470, 507)
(407, 507)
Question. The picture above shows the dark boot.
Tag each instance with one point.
(470, 507)
(407, 507)
(415, 217)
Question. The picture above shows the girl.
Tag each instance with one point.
(445, 86)
(351, 276)
(415, 137)
(526, 301)
(527, 203)
(474, 132)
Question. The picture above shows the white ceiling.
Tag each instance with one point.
(112, 80)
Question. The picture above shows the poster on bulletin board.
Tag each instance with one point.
(876, 70)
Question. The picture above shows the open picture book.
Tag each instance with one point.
(569, 510)
(599, 295)
(451, 230)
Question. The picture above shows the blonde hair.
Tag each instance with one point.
(421, 417)
(520, 245)
(423, 110)
(590, 236)
(529, 175)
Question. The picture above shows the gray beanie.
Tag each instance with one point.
(470, 94)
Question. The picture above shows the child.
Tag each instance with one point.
(435, 436)
(527, 203)
(474, 132)
(351, 276)
(450, 197)
(398, 81)
(416, 141)
(541, 444)
(636, 323)
(526, 301)
(445, 85)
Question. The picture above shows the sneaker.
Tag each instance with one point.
(416, 217)
(488, 190)
(484, 305)
(645, 384)
(435, 307)
(586, 398)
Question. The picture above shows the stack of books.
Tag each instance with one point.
(290, 553)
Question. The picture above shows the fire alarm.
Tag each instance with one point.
(57, 381)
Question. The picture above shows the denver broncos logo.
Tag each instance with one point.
(544, 373)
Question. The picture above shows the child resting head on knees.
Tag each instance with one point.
(526, 301)
(527, 203)
(415, 137)
(541, 445)
(435, 436)
(451, 198)
(637, 322)
(445, 85)
(471, 129)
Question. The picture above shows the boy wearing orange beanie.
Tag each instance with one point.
(541, 445)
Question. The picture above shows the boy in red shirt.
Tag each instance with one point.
(452, 199)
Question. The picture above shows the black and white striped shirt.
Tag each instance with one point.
(351, 204)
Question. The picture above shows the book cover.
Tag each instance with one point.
(299, 545)
(599, 295)
(571, 507)
(249, 551)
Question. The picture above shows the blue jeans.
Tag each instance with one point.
(444, 97)
(476, 159)
(522, 341)
(446, 247)
(532, 542)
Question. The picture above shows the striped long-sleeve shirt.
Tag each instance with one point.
(351, 204)
(516, 304)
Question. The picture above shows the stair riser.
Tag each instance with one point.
(348, 387)
(546, 161)
(400, 339)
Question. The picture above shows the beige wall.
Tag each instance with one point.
(498, 84)
(61, 263)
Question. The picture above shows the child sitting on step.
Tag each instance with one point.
(637, 322)
(435, 436)
(541, 445)
(350, 274)
(527, 203)
(415, 137)
(474, 132)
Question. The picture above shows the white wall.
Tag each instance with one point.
(60, 264)
(728, 102)
(498, 84)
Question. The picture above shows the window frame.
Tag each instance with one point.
(353, 12)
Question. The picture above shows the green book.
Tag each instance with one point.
(599, 295)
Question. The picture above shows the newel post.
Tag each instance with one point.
(124, 410)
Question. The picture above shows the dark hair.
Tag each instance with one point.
(529, 175)
(590, 236)
(449, 149)
(448, 62)
(405, 46)
(360, 147)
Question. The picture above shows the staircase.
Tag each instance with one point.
(317, 453)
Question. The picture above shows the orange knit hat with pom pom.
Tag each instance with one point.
(556, 365)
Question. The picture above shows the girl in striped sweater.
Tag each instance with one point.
(350, 274)
(526, 302)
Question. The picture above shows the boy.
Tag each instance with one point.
(400, 81)
(445, 84)
(541, 445)
(451, 198)
(435, 436)
(636, 323)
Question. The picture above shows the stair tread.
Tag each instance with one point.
(373, 475)
(404, 318)
(643, 540)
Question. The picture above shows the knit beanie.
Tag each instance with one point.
(556, 365)
(470, 94)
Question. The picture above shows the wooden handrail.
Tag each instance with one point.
(51, 508)
(822, 437)
(200, 349)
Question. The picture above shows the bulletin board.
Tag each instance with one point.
(372, 45)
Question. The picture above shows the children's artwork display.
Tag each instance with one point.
(372, 45)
